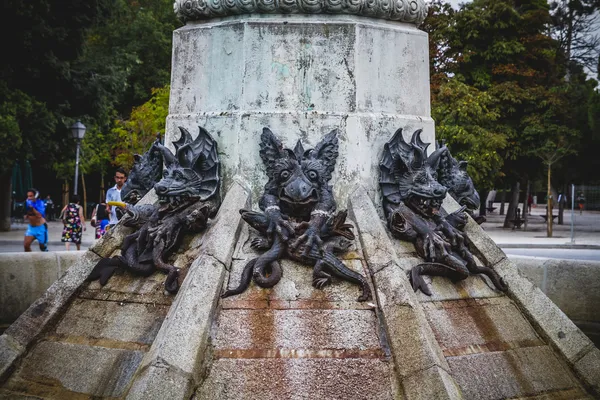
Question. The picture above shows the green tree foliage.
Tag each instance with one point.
(136, 134)
(499, 93)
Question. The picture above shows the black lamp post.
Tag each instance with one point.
(78, 132)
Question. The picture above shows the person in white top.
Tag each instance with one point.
(114, 194)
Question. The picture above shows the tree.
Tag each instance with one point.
(575, 26)
(135, 135)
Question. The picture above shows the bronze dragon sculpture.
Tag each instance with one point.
(412, 199)
(297, 219)
(454, 176)
(188, 196)
(146, 171)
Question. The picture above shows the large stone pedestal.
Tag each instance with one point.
(302, 76)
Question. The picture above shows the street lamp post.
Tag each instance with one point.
(78, 132)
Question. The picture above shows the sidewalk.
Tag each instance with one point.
(586, 230)
(12, 241)
(587, 233)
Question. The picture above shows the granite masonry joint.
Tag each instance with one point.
(99, 342)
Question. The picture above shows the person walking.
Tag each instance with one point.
(581, 202)
(114, 194)
(49, 208)
(37, 228)
(74, 221)
(100, 220)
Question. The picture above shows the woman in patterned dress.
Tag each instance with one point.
(73, 220)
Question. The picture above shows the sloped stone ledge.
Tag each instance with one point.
(171, 368)
(549, 321)
(417, 356)
(44, 311)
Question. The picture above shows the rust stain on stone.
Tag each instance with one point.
(299, 353)
(303, 304)
(43, 387)
(490, 346)
(101, 342)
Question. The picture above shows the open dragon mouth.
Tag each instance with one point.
(469, 202)
(312, 198)
(423, 206)
(174, 202)
(132, 197)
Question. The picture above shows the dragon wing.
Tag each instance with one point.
(201, 156)
(327, 151)
(396, 157)
(271, 150)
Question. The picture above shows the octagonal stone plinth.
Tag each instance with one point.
(302, 76)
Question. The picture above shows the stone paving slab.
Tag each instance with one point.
(297, 329)
(67, 366)
(473, 287)
(473, 326)
(121, 322)
(277, 379)
(510, 374)
(126, 287)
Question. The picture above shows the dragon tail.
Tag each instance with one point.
(244, 281)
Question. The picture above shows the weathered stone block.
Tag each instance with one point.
(69, 363)
(588, 368)
(268, 379)
(432, 383)
(123, 322)
(160, 382)
(554, 325)
(411, 340)
(10, 350)
(297, 329)
(184, 334)
(474, 287)
(510, 374)
(471, 326)
(228, 222)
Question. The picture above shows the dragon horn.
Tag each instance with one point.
(434, 158)
(418, 150)
(167, 155)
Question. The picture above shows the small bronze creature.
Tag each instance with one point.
(188, 196)
(412, 198)
(454, 176)
(146, 171)
(298, 218)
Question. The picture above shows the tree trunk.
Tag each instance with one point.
(502, 199)
(526, 205)
(511, 213)
(482, 203)
(549, 205)
(102, 194)
(84, 195)
(5, 200)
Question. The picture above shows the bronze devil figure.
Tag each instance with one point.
(412, 198)
(146, 171)
(454, 176)
(188, 196)
(298, 218)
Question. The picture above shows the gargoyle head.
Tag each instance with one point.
(192, 173)
(298, 176)
(409, 176)
(453, 174)
(146, 171)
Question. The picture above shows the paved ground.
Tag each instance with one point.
(586, 233)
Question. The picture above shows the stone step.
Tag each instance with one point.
(515, 373)
(266, 379)
(64, 370)
(260, 331)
